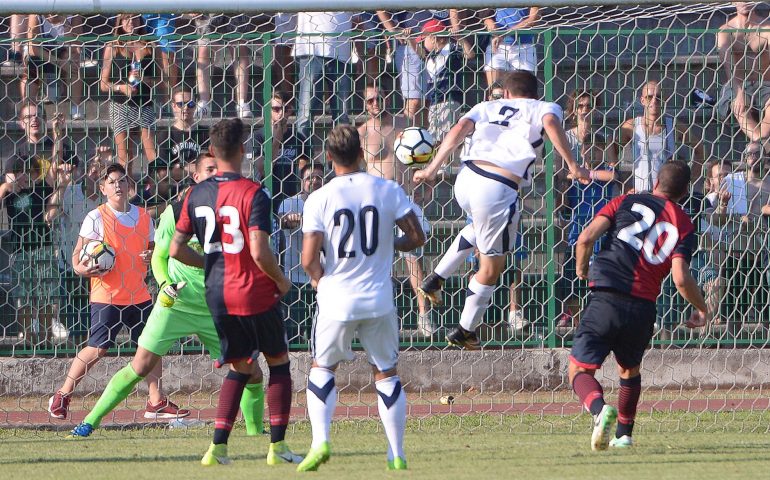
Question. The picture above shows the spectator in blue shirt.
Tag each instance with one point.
(582, 202)
(508, 51)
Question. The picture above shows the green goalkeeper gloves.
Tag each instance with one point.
(169, 292)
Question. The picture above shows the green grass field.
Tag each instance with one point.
(435, 450)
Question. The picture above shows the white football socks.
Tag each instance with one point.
(461, 247)
(476, 303)
(391, 402)
(321, 401)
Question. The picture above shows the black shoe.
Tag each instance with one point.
(460, 337)
(430, 288)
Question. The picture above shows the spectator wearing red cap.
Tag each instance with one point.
(445, 62)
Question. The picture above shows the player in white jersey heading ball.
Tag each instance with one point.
(505, 134)
(352, 220)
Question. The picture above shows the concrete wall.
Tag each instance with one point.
(490, 371)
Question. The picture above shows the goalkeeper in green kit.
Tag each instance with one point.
(179, 312)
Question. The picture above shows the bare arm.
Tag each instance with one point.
(311, 256)
(688, 288)
(104, 75)
(557, 136)
(586, 241)
(387, 21)
(180, 250)
(534, 16)
(413, 236)
(724, 47)
(262, 254)
(452, 140)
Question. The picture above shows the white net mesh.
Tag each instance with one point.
(143, 91)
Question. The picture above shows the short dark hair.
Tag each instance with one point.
(674, 179)
(227, 136)
(199, 159)
(344, 145)
(113, 167)
(311, 166)
(520, 83)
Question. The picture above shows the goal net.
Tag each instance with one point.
(639, 85)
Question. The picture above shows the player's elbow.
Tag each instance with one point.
(419, 239)
(585, 240)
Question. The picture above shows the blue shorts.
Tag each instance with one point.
(161, 25)
(613, 322)
(107, 321)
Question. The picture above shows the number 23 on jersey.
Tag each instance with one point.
(231, 223)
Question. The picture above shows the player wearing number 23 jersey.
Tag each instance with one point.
(234, 283)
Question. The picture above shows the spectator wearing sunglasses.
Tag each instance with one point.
(178, 147)
(185, 139)
(287, 153)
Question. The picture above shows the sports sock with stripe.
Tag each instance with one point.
(391, 403)
(321, 401)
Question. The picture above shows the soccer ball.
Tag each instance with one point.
(100, 254)
(414, 145)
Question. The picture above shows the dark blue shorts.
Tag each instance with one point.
(245, 337)
(107, 320)
(613, 322)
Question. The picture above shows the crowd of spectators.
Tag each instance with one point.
(407, 68)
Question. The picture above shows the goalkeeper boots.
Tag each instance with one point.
(460, 337)
(81, 431)
(430, 288)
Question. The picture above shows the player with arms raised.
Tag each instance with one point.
(231, 217)
(505, 134)
(649, 235)
(352, 220)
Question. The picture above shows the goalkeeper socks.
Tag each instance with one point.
(461, 247)
(476, 303)
(279, 401)
(253, 408)
(120, 386)
(391, 403)
(628, 398)
(589, 391)
(321, 400)
(227, 409)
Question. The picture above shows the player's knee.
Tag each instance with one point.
(144, 362)
(378, 375)
(257, 376)
(277, 359)
(626, 373)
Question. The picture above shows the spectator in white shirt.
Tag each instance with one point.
(323, 54)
